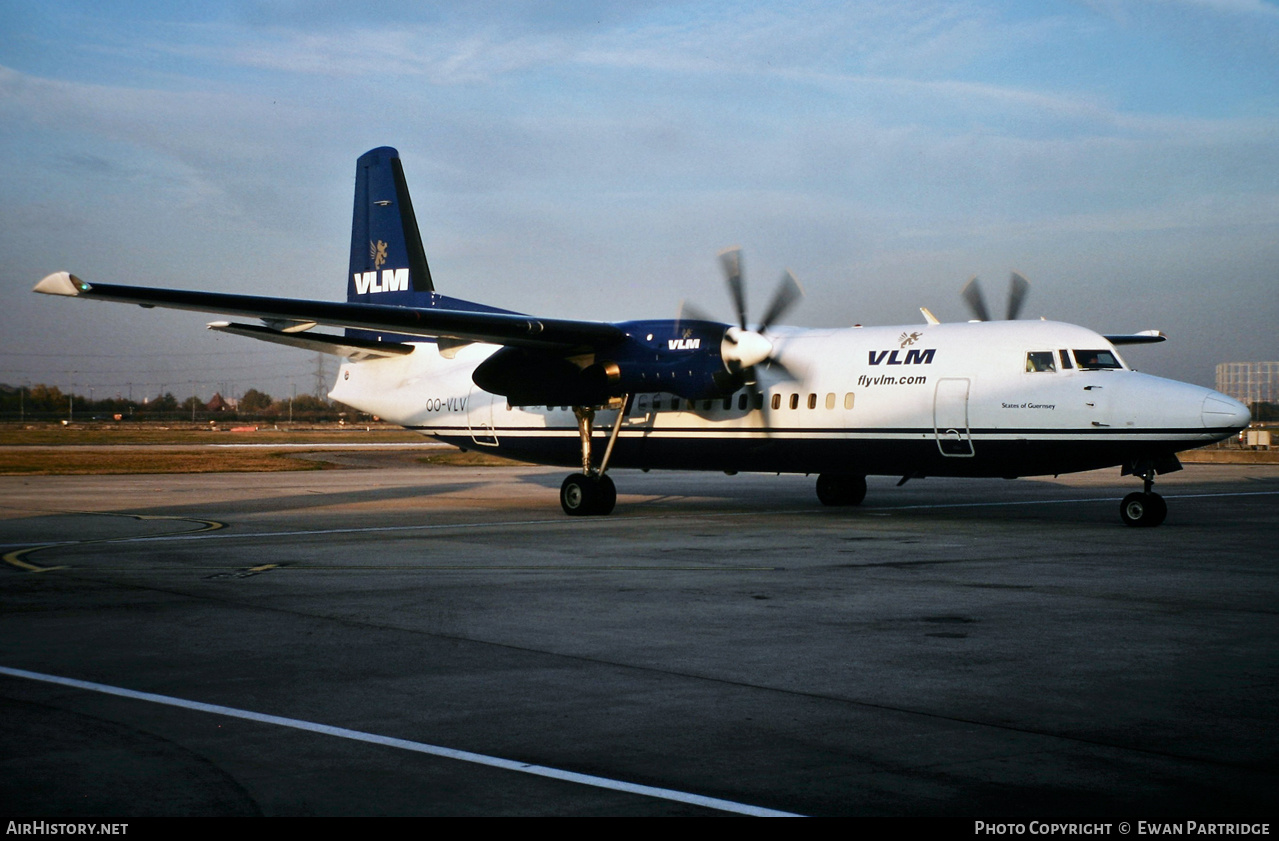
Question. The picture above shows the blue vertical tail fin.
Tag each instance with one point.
(388, 262)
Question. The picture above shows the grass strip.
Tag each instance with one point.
(53, 461)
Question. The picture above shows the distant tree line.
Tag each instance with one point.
(49, 403)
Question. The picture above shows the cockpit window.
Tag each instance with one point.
(1040, 360)
(1093, 360)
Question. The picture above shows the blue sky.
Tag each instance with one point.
(591, 161)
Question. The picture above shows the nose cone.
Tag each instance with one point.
(1225, 413)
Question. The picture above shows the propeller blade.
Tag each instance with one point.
(731, 260)
(971, 294)
(788, 292)
(1018, 287)
(690, 312)
(775, 364)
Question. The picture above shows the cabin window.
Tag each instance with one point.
(812, 401)
(1039, 361)
(675, 403)
(777, 402)
(643, 402)
(759, 400)
(741, 401)
(657, 402)
(1065, 360)
(706, 405)
(848, 400)
(1093, 360)
(728, 402)
(830, 400)
(794, 401)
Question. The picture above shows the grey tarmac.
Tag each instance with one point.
(951, 647)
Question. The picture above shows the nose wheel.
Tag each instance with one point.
(1145, 507)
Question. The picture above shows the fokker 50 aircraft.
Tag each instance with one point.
(991, 398)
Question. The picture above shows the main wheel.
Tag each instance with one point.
(582, 495)
(841, 489)
(607, 495)
(1143, 509)
(578, 495)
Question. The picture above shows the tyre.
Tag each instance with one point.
(607, 495)
(841, 489)
(1143, 509)
(578, 495)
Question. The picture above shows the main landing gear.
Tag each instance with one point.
(1145, 507)
(841, 488)
(591, 492)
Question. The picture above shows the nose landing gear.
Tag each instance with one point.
(1145, 507)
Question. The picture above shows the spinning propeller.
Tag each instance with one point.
(743, 348)
(1018, 286)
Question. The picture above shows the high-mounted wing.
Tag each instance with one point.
(1145, 337)
(509, 329)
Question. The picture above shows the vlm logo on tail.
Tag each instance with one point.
(393, 280)
(914, 356)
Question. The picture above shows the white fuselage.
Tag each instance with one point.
(976, 399)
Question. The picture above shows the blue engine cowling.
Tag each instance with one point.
(678, 357)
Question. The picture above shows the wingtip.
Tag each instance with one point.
(61, 283)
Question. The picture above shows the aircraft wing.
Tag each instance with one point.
(1145, 337)
(291, 315)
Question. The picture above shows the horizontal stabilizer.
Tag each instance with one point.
(323, 343)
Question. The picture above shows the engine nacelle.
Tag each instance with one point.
(678, 357)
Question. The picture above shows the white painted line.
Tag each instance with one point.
(405, 744)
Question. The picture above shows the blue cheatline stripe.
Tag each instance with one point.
(405, 744)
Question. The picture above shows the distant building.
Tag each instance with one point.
(219, 404)
(1251, 383)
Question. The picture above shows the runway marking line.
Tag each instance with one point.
(405, 744)
(15, 557)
